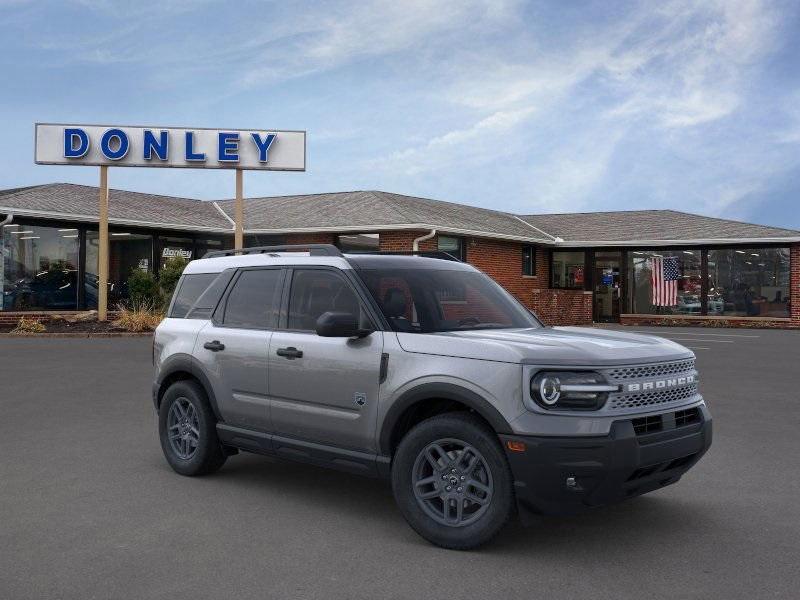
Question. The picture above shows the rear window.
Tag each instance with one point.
(189, 289)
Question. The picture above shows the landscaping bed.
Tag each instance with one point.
(125, 323)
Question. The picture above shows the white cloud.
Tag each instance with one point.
(476, 143)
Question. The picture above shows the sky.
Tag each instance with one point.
(529, 107)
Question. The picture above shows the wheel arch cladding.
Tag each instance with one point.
(181, 367)
(430, 399)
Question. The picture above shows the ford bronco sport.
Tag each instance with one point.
(423, 371)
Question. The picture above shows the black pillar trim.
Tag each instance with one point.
(704, 281)
(81, 268)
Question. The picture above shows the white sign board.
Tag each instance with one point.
(189, 148)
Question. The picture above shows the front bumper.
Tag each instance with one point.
(635, 458)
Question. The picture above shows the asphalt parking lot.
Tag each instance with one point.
(89, 508)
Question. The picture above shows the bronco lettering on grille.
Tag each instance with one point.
(660, 384)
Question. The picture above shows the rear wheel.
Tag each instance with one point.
(452, 481)
(187, 429)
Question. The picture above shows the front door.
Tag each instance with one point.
(322, 389)
(607, 286)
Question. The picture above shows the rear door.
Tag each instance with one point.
(324, 389)
(233, 347)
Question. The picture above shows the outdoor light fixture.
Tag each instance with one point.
(61, 230)
(118, 234)
(12, 225)
(21, 232)
(30, 237)
(741, 252)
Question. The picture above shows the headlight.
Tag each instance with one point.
(570, 390)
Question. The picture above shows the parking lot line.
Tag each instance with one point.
(698, 348)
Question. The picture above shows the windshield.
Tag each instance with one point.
(430, 301)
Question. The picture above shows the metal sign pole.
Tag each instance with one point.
(102, 255)
(238, 242)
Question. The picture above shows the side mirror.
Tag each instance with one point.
(340, 324)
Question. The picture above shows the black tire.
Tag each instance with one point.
(474, 433)
(207, 455)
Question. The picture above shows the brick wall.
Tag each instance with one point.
(311, 238)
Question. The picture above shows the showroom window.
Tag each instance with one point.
(39, 268)
(665, 282)
(359, 242)
(176, 247)
(529, 260)
(205, 245)
(568, 270)
(748, 282)
(128, 251)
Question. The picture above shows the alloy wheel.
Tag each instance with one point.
(183, 428)
(452, 482)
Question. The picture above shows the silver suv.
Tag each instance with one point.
(423, 371)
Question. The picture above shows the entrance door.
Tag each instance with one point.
(607, 286)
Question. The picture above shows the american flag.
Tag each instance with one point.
(664, 279)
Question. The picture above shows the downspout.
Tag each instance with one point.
(427, 236)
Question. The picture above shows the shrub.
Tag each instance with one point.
(26, 325)
(143, 288)
(169, 275)
(139, 317)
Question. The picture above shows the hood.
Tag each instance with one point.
(579, 346)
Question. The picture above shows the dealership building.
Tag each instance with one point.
(650, 266)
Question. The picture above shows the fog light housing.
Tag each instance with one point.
(570, 390)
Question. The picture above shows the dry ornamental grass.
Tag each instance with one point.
(138, 318)
(26, 325)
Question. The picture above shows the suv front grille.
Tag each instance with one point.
(649, 424)
(687, 417)
(646, 371)
(653, 398)
(656, 423)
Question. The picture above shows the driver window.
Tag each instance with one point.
(317, 291)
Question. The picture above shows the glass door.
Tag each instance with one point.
(607, 286)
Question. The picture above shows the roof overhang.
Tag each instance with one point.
(686, 242)
(403, 227)
(114, 221)
(400, 227)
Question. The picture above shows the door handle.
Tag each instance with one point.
(214, 346)
(291, 352)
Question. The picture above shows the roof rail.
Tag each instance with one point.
(441, 254)
(313, 249)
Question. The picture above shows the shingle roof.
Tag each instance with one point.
(366, 211)
(650, 225)
(350, 211)
(72, 201)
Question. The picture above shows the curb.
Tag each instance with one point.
(121, 334)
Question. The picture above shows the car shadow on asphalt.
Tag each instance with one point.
(606, 530)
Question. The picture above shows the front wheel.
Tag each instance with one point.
(188, 432)
(452, 482)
